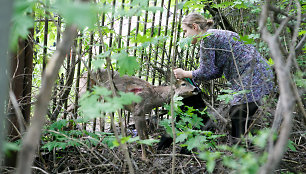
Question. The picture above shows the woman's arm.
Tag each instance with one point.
(208, 69)
(179, 73)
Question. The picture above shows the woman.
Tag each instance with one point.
(222, 53)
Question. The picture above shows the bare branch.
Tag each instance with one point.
(281, 27)
(20, 118)
(295, 35)
(299, 47)
(286, 103)
(31, 139)
(280, 11)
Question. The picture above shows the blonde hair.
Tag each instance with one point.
(196, 18)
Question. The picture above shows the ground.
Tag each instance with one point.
(101, 159)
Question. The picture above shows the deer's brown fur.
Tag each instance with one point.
(152, 96)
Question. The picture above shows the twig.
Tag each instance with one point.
(218, 114)
(31, 139)
(40, 169)
(286, 102)
(124, 145)
(172, 93)
(170, 155)
(79, 170)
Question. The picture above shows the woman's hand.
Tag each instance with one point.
(179, 73)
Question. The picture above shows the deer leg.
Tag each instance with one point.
(147, 137)
(140, 124)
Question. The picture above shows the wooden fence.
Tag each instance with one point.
(121, 33)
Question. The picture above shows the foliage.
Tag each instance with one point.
(242, 14)
(136, 139)
(77, 12)
(21, 21)
(8, 147)
(203, 143)
(188, 128)
(237, 157)
(229, 94)
(126, 64)
(92, 107)
(56, 137)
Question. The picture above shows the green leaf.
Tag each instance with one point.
(77, 12)
(210, 157)
(302, 32)
(195, 142)
(134, 139)
(126, 64)
(270, 61)
(211, 165)
(180, 5)
(21, 21)
(129, 98)
(229, 162)
(97, 64)
(291, 145)
(89, 105)
(181, 137)
(115, 143)
(53, 144)
(184, 43)
(244, 39)
(166, 124)
(102, 91)
(58, 125)
(261, 139)
(110, 107)
(73, 143)
(109, 141)
(9, 146)
(149, 142)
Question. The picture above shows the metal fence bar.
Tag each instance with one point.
(158, 35)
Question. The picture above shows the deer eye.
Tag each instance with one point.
(184, 84)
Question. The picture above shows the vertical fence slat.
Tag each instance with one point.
(76, 101)
(102, 119)
(143, 50)
(102, 25)
(164, 44)
(150, 47)
(136, 33)
(58, 38)
(158, 34)
(45, 50)
(129, 29)
(112, 25)
(171, 39)
(120, 27)
(89, 65)
(153, 53)
(178, 37)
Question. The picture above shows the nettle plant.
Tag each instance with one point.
(57, 137)
(188, 128)
(238, 158)
(204, 143)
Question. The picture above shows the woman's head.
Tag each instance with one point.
(195, 24)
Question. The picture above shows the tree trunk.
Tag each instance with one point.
(31, 139)
(21, 85)
(6, 7)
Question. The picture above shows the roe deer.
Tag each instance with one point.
(152, 96)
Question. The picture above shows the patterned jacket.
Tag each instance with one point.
(221, 52)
